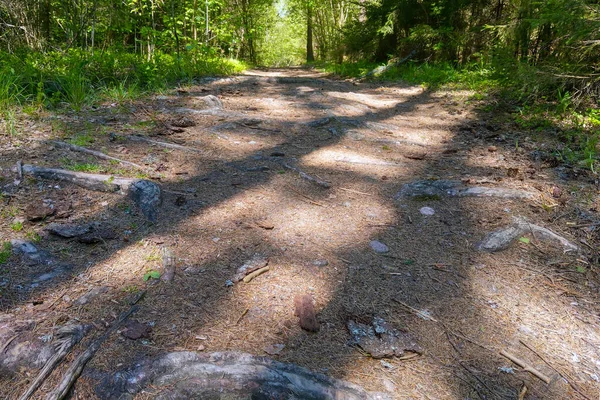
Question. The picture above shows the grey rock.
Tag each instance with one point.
(31, 254)
(378, 247)
(381, 340)
(320, 263)
(69, 230)
(34, 256)
(211, 101)
(428, 211)
(99, 235)
(225, 375)
(147, 196)
(89, 296)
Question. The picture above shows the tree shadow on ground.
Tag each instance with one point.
(431, 265)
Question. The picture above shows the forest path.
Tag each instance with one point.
(416, 180)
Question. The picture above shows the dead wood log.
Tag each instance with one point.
(68, 336)
(98, 182)
(306, 176)
(226, 375)
(380, 70)
(94, 153)
(167, 145)
(75, 370)
(145, 194)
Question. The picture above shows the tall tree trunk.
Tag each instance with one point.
(94, 24)
(310, 55)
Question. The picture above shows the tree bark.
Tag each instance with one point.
(310, 55)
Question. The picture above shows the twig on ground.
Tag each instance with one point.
(522, 392)
(307, 198)
(137, 138)
(95, 153)
(355, 191)
(569, 380)
(306, 176)
(75, 370)
(256, 273)
(525, 366)
(242, 316)
(419, 313)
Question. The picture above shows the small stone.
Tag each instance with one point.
(427, 211)
(135, 330)
(228, 283)
(305, 310)
(274, 349)
(147, 196)
(492, 149)
(378, 247)
(39, 211)
(320, 263)
(201, 348)
(556, 192)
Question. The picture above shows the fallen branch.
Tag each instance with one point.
(99, 182)
(569, 381)
(306, 176)
(311, 201)
(95, 153)
(137, 138)
(355, 191)
(254, 274)
(525, 366)
(69, 336)
(75, 370)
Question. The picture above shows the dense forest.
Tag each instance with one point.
(542, 47)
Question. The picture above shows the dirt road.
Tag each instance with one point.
(309, 172)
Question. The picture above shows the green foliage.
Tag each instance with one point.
(5, 252)
(17, 226)
(152, 274)
(82, 139)
(76, 89)
(47, 79)
(33, 236)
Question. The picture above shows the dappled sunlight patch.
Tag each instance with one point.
(342, 159)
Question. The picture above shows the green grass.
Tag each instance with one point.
(82, 139)
(78, 79)
(17, 226)
(5, 252)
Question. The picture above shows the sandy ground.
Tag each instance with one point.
(231, 197)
